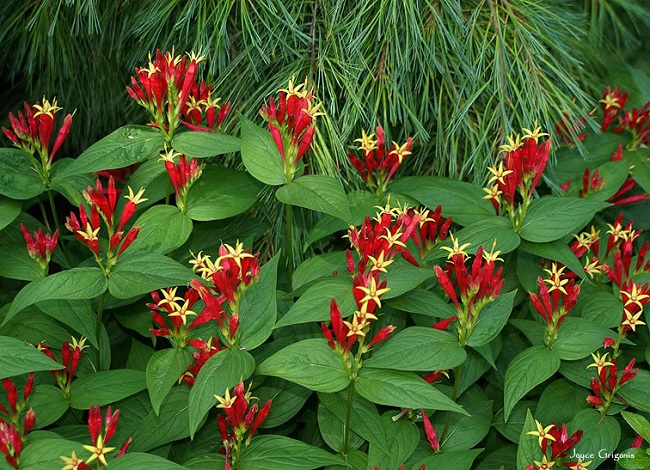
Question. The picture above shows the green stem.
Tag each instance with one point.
(44, 215)
(457, 373)
(348, 416)
(100, 313)
(53, 209)
(288, 220)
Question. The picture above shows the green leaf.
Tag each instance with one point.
(598, 148)
(310, 363)
(33, 326)
(613, 175)
(462, 201)
(492, 319)
(515, 425)
(17, 178)
(601, 308)
(551, 218)
(163, 371)
(364, 417)
(260, 155)
(77, 314)
(288, 398)
(258, 307)
(402, 389)
(48, 403)
(314, 304)
(73, 284)
(528, 450)
(639, 423)
(272, 452)
(206, 462)
(402, 437)
(484, 233)
(123, 147)
(331, 430)
(199, 144)
(578, 338)
(529, 368)
(403, 277)
(162, 229)
(465, 432)
(18, 358)
(140, 460)
(637, 392)
(641, 171)
(318, 266)
(142, 272)
(317, 192)
(102, 388)
(221, 193)
(560, 401)
(423, 302)
(45, 453)
(171, 424)
(9, 210)
(223, 370)
(15, 263)
(634, 459)
(599, 438)
(419, 349)
(456, 460)
(556, 251)
(70, 186)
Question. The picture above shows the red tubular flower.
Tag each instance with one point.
(378, 164)
(566, 135)
(292, 124)
(638, 442)
(101, 432)
(612, 102)
(70, 357)
(634, 297)
(590, 183)
(206, 349)
(636, 122)
(33, 131)
(432, 437)
(10, 443)
(563, 443)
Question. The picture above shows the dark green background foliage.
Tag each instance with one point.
(458, 75)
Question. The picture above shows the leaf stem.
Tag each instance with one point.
(289, 223)
(457, 373)
(100, 313)
(348, 417)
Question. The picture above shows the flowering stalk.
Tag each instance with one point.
(205, 350)
(203, 112)
(560, 445)
(182, 175)
(378, 164)
(554, 302)
(606, 384)
(512, 186)
(292, 124)
(102, 207)
(477, 286)
(101, 432)
(70, 357)
(40, 246)
(163, 88)
(13, 430)
(239, 421)
(32, 132)
(234, 271)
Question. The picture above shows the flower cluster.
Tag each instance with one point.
(70, 357)
(12, 432)
(33, 131)
(378, 164)
(40, 246)
(555, 301)
(102, 206)
(101, 431)
(518, 174)
(612, 102)
(203, 112)
(478, 285)
(205, 350)
(177, 310)
(292, 124)
(606, 384)
(228, 278)
(163, 88)
(182, 174)
(636, 123)
(560, 445)
(239, 421)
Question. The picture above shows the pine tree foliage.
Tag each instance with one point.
(460, 75)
